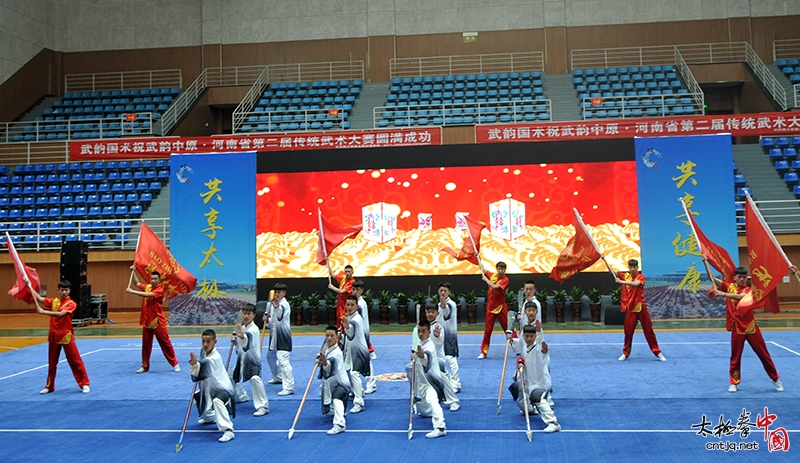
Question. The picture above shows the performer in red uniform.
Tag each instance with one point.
(635, 308)
(743, 327)
(344, 288)
(496, 305)
(152, 319)
(61, 335)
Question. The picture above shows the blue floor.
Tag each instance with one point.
(638, 410)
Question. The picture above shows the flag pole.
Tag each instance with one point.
(769, 231)
(322, 243)
(694, 232)
(15, 256)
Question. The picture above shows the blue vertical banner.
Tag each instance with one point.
(699, 170)
(212, 234)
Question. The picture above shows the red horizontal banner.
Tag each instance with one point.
(126, 148)
(734, 124)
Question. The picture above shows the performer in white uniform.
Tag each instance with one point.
(279, 321)
(448, 317)
(537, 376)
(363, 310)
(428, 382)
(335, 387)
(248, 362)
(356, 352)
(215, 398)
(439, 339)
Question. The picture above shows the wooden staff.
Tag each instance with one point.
(502, 377)
(179, 445)
(411, 401)
(525, 401)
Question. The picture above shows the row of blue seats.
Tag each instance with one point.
(623, 70)
(318, 84)
(88, 166)
(462, 120)
(76, 212)
(312, 93)
(463, 86)
(124, 93)
(55, 241)
(89, 188)
(778, 153)
(453, 78)
(89, 135)
(466, 110)
(784, 166)
(463, 102)
(626, 78)
(68, 227)
(95, 198)
(638, 102)
(780, 142)
(596, 92)
(72, 125)
(638, 112)
(65, 102)
(302, 117)
(292, 109)
(88, 177)
(292, 126)
(526, 93)
(792, 72)
(297, 101)
(108, 111)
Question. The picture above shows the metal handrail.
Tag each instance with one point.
(698, 103)
(688, 78)
(127, 80)
(242, 119)
(250, 99)
(34, 153)
(124, 234)
(784, 49)
(773, 86)
(466, 64)
(143, 125)
(783, 216)
(514, 107)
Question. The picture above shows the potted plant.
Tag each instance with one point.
(595, 301)
(576, 296)
(401, 301)
(457, 299)
(384, 301)
(369, 299)
(419, 299)
(313, 308)
(541, 295)
(512, 301)
(559, 299)
(296, 302)
(471, 300)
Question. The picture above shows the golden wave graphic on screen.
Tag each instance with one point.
(418, 252)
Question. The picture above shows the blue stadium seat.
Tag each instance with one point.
(780, 166)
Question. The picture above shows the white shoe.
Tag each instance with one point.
(370, 390)
(85, 389)
(482, 356)
(357, 408)
(176, 368)
(455, 406)
(261, 411)
(274, 381)
(202, 421)
(733, 388)
(336, 429)
(286, 392)
(436, 433)
(778, 385)
(457, 389)
(45, 391)
(373, 355)
(227, 436)
(622, 358)
(141, 370)
(662, 358)
(552, 427)
(550, 402)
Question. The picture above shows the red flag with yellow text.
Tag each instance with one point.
(768, 263)
(331, 236)
(20, 289)
(472, 244)
(717, 256)
(581, 252)
(152, 255)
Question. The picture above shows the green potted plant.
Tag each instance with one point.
(401, 301)
(559, 300)
(512, 301)
(419, 299)
(595, 302)
(296, 302)
(471, 300)
(384, 301)
(576, 296)
(313, 308)
(369, 300)
(541, 295)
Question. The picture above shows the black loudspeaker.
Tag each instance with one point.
(74, 268)
(614, 316)
(261, 308)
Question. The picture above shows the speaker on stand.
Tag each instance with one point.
(74, 268)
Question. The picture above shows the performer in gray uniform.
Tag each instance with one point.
(439, 339)
(428, 382)
(214, 400)
(448, 314)
(335, 387)
(279, 320)
(356, 352)
(363, 310)
(248, 362)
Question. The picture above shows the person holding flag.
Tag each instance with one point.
(151, 318)
(330, 237)
(343, 289)
(496, 304)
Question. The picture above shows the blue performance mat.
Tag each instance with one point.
(639, 410)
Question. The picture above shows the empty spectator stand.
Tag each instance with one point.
(464, 99)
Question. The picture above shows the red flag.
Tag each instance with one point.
(20, 290)
(717, 256)
(768, 263)
(472, 244)
(331, 236)
(152, 255)
(581, 252)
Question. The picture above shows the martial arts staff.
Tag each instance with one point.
(537, 377)
(214, 400)
(152, 320)
(356, 353)
(335, 387)
(61, 335)
(279, 322)
(428, 382)
(448, 316)
(248, 361)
